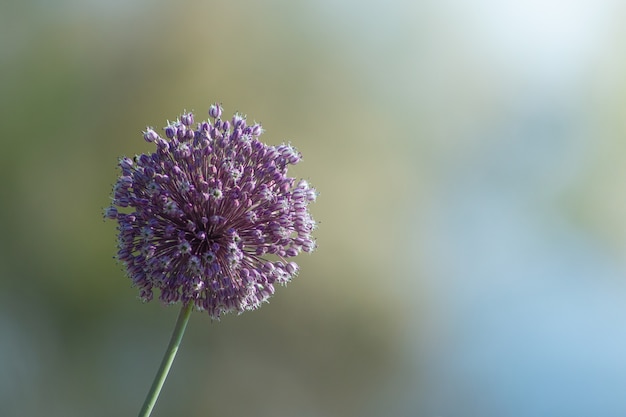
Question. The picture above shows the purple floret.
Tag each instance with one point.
(211, 216)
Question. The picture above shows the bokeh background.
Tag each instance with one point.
(470, 157)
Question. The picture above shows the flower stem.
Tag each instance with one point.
(166, 364)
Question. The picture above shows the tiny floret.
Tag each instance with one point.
(211, 216)
(150, 135)
(215, 111)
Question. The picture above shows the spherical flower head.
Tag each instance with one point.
(211, 216)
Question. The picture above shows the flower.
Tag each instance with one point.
(211, 217)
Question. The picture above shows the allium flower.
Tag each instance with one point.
(211, 217)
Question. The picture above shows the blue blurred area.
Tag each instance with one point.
(472, 234)
(530, 307)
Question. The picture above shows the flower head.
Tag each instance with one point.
(211, 216)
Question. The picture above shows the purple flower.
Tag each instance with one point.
(211, 216)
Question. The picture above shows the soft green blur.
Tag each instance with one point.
(399, 110)
(79, 83)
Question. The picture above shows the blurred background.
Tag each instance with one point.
(470, 157)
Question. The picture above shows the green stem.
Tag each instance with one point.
(166, 364)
